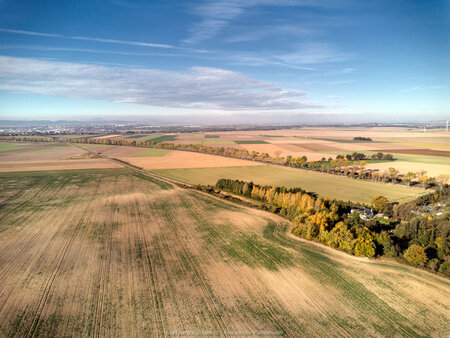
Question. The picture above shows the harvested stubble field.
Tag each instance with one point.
(113, 253)
(152, 153)
(325, 185)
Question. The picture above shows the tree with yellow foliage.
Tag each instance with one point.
(380, 203)
(416, 255)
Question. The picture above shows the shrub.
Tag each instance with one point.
(445, 268)
(433, 264)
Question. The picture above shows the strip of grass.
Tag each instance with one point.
(152, 153)
(212, 136)
(138, 136)
(64, 172)
(326, 185)
(164, 138)
(9, 146)
(423, 159)
(251, 142)
(46, 147)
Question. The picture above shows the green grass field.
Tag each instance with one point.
(211, 136)
(144, 137)
(332, 186)
(164, 138)
(9, 146)
(251, 142)
(152, 153)
(422, 159)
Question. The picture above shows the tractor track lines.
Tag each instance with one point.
(207, 294)
(28, 201)
(251, 282)
(44, 296)
(160, 250)
(13, 266)
(106, 262)
(55, 192)
(152, 276)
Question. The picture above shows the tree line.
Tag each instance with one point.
(360, 138)
(421, 239)
(350, 165)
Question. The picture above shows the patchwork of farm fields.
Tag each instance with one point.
(326, 185)
(197, 168)
(110, 252)
(414, 149)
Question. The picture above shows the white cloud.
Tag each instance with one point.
(420, 87)
(270, 31)
(122, 42)
(411, 89)
(199, 87)
(215, 14)
(313, 53)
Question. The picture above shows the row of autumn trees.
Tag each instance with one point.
(419, 239)
(350, 165)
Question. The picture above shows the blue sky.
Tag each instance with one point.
(366, 60)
